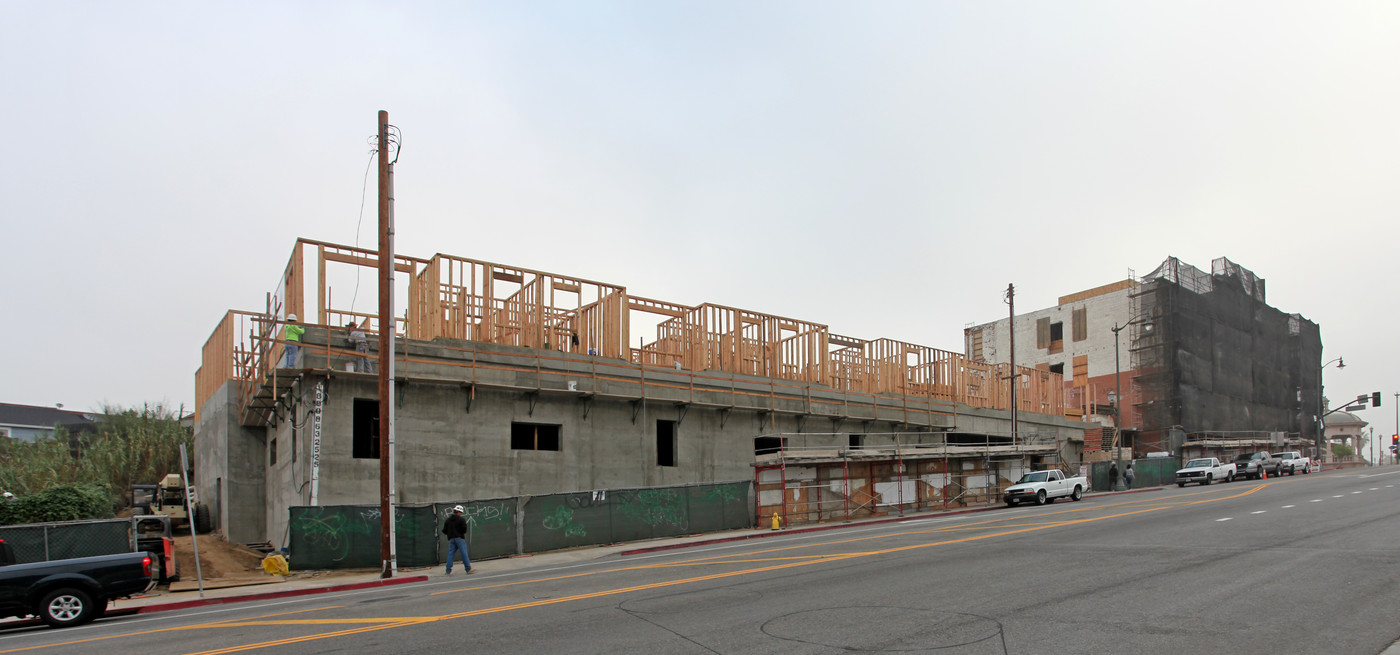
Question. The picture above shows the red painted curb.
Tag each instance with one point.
(185, 604)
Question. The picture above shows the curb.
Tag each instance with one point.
(185, 604)
(838, 526)
(225, 600)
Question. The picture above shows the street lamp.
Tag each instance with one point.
(1322, 411)
(1143, 318)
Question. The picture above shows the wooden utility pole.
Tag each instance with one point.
(386, 354)
(1013, 378)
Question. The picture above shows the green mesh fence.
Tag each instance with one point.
(1147, 472)
(490, 528)
(347, 536)
(41, 542)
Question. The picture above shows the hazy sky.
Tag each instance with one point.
(883, 168)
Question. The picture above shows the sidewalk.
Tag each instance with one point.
(323, 582)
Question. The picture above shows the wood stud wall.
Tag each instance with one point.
(458, 298)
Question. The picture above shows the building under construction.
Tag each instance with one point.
(511, 381)
(1200, 360)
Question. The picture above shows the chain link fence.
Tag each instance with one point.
(348, 536)
(42, 542)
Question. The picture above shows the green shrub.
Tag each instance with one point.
(64, 502)
(130, 446)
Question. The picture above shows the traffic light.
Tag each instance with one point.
(1395, 439)
(1375, 399)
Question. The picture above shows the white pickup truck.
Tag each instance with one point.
(1043, 487)
(1205, 470)
(1293, 462)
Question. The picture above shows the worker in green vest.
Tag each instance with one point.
(292, 334)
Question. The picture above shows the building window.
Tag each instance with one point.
(665, 443)
(1057, 337)
(855, 441)
(1058, 369)
(365, 429)
(272, 451)
(1081, 324)
(767, 445)
(534, 436)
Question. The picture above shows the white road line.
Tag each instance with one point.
(1357, 492)
(1316, 500)
(1260, 511)
(1371, 489)
(1287, 506)
(1339, 496)
(1224, 519)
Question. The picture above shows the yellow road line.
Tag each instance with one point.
(199, 626)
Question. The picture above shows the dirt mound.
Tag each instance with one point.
(217, 558)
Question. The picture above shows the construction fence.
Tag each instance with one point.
(42, 542)
(1147, 472)
(348, 536)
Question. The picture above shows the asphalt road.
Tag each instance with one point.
(1303, 564)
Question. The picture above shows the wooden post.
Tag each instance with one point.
(386, 354)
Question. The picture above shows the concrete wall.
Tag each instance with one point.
(229, 468)
(457, 402)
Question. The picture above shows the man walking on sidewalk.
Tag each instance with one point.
(456, 530)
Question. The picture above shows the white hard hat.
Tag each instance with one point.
(457, 509)
(291, 317)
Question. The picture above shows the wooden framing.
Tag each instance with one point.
(457, 298)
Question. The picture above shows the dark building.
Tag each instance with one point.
(1211, 356)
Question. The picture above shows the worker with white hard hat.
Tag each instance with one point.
(456, 530)
(291, 333)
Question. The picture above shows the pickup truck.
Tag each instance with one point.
(1205, 470)
(70, 592)
(1256, 465)
(1293, 462)
(1044, 487)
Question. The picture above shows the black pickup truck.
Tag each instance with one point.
(70, 592)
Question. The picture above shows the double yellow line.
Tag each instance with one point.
(376, 624)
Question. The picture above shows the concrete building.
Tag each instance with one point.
(518, 382)
(1200, 354)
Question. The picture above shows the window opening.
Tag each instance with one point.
(534, 436)
(665, 443)
(365, 429)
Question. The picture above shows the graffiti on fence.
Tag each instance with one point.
(480, 516)
(595, 499)
(723, 493)
(563, 519)
(331, 529)
(655, 506)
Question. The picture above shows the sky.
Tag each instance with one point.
(885, 169)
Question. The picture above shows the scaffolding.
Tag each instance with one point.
(907, 472)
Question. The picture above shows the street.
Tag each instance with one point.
(1300, 564)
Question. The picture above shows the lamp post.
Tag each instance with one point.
(1118, 394)
(1322, 411)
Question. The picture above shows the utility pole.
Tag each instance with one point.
(1013, 379)
(386, 353)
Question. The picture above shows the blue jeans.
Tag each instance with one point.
(292, 355)
(1129, 482)
(455, 546)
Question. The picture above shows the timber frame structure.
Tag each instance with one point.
(455, 298)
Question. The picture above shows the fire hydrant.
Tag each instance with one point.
(777, 522)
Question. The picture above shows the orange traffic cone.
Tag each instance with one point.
(1263, 473)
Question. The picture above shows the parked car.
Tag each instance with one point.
(1293, 462)
(1205, 470)
(1043, 487)
(70, 592)
(1256, 465)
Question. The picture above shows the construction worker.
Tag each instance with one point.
(292, 334)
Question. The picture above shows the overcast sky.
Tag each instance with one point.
(882, 168)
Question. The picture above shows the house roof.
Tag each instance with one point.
(30, 416)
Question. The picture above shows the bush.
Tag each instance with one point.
(130, 446)
(64, 502)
